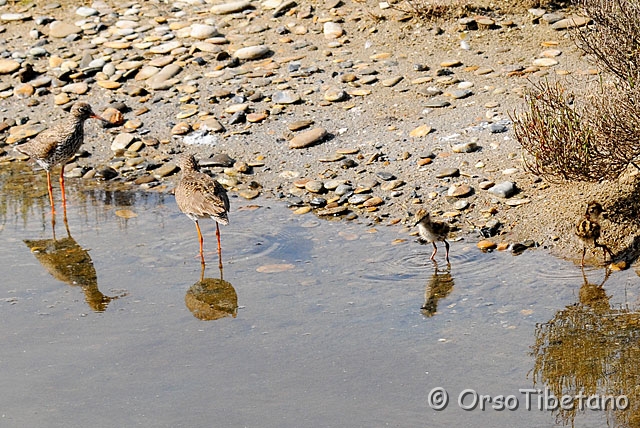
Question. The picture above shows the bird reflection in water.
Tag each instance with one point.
(594, 295)
(439, 286)
(68, 262)
(212, 298)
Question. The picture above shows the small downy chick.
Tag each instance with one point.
(588, 230)
(432, 231)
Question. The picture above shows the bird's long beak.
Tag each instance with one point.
(95, 116)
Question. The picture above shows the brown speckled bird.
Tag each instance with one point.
(58, 144)
(432, 231)
(200, 196)
(588, 230)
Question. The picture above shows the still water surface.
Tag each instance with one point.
(314, 323)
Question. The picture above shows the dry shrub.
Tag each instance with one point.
(569, 140)
(594, 138)
(614, 39)
(430, 10)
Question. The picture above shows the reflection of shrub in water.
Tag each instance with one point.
(594, 349)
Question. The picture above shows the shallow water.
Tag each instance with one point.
(315, 323)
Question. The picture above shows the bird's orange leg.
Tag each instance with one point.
(201, 239)
(435, 250)
(218, 236)
(446, 245)
(219, 247)
(64, 199)
(50, 188)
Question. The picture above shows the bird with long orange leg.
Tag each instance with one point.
(58, 144)
(200, 196)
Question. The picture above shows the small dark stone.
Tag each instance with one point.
(496, 128)
(490, 229)
(448, 172)
(295, 201)
(318, 202)
(106, 173)
(386, 176)
(518, 249)
(348, 163)
(220, 159)
(237, 117)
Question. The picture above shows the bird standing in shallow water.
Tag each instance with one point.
(200, 196)
(432, 231)
(588, 230)
(58, 144)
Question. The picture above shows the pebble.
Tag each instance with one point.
(506, 189)
(464, 147)
(391, 185)
(230, 7)
(461, 205)
(318, 202)
(486, 245)
(181, 128)
(285, 97)
(571, 22)
(458, 94)
(249, 193)
(341, 209)
(8, 66)
(359, 198)
(252, 52)
(219, 159)
(373, 202)
(300, 124)
(392, 81)
(335, 94)
(545, 62)
(460, 191)
(19, 134)
(314, 186)
(485, 185)
(518, 201)
(343, 189)
(203, 31)
(447, 172)
(61, 30)
(421, 131)
(386, 176)
(332, 30)
(122, 141)
(437, 104)
(307, 138)
(497, 128)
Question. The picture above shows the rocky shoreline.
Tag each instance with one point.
(343, 109)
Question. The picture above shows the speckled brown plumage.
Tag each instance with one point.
(432, 231)
(58, 144)
(588, 230)
(200, 196)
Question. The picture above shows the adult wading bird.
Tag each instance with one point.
(588, 230)
(58, 144)
(200, 196)
(432, 231)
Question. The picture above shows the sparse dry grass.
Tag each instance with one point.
(592, 138)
